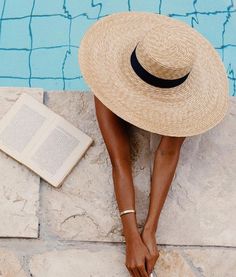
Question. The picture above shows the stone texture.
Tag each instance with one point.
(212, 262)
(200, 203)
(84, 207)
(109, 261)
(19, 189)
(10, 265)
(200, 207)
(78, 263)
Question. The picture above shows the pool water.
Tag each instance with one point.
(39, 39)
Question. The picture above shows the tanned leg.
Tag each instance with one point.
(165, 163)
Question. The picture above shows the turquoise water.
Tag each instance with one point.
(39, 39)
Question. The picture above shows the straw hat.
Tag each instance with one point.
(156, 72)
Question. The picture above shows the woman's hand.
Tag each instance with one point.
(137, 256)
(149, 239)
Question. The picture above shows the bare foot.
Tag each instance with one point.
(149, 239)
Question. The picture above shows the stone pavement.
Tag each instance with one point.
(75, 230)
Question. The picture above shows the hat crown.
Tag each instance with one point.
(166, 52)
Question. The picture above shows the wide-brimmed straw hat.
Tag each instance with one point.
(155, 72)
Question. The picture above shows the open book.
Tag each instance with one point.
(42, 140)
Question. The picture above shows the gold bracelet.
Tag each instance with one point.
(127, 212)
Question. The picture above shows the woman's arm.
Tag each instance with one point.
(165, 163)
(115, 134)
(116, 137)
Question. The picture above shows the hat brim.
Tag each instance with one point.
(193, 107)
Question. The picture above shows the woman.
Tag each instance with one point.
(141, 250)
(161, 75)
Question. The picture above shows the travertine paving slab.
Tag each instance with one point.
(109, 261)
(215, 262)
(19, 186)
(106, 262)
(200, 207)
(10, 265)
(84, 208)
(78, 263)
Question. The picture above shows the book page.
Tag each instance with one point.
(41, 139)
(54, 150)
(20, 130)
(61, 149)
(21, 126)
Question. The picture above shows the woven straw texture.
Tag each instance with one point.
(167, 48)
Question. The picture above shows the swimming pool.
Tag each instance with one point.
(39, 40)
